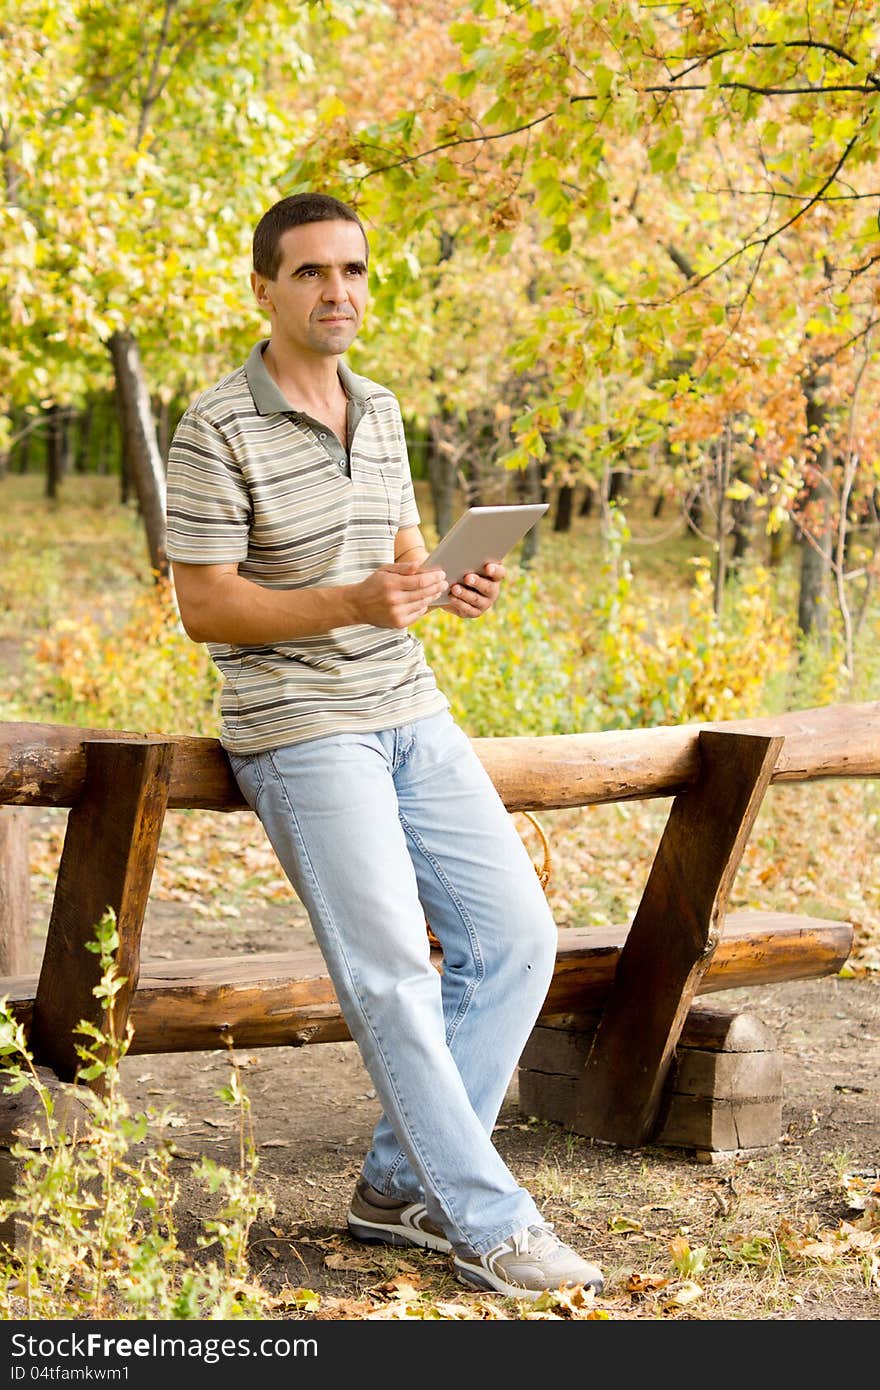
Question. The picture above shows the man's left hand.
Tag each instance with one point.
(477, 592)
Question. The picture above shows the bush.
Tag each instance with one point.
(647, 670)
(516, 671)
(137, 671)
(101, 1235)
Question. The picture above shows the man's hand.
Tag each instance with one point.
(396, 595)
(477, 592)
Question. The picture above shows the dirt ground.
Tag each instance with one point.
(313, 1109)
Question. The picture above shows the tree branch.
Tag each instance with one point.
(764, 241)
(149, 95)
(667, 88)
(787, 43)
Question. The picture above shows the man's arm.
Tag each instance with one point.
(409, 545)
(217, 604)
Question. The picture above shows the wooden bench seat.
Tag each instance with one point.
(286, 999)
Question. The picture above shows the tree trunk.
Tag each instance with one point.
(722, 475)
(815, 519)
(778, 544)
(618, 484)
(441, 478)
(529, 488)
(23, 447)
(743, 514)
(694, 511)
(67, 417)
(162, 415)
(564, 507)
(140, 444)
(54, 451)
(82, 452)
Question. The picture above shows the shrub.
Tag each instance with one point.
(137, 671)
(646, 669)
(101, 1236)
(516, 671)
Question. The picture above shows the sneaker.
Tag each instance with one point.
(374, 1217)
(526, 1265)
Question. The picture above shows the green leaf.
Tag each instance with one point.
(467, 35)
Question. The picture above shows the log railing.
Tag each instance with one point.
(44, 764)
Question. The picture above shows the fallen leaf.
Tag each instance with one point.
(687, 1292)
(644, 1283)
(305, 1300)
(621, 1224)
(403, 1290)
(348, 1259)
(573, 1300)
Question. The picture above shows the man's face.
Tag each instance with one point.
(317, 300)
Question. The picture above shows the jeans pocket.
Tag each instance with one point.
(247, 771)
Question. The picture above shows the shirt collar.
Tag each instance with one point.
(269, 399)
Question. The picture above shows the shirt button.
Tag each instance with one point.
(322, 436)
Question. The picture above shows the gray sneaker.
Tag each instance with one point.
(374, 1217)
(532, 1262)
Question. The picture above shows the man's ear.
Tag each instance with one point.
(260, 287)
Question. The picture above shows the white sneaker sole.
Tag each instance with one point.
(484, 1279)
(377, 1233)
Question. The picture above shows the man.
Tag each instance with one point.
(296, 550)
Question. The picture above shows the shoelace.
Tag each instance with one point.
(535, 1240)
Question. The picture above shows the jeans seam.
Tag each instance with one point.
(467, 923)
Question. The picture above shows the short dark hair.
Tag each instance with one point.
(295, 211)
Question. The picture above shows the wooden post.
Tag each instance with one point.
(107, 862)
(672, 938)
(15, 892)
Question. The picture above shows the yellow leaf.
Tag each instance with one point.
(621, 1224)
(687, 1292)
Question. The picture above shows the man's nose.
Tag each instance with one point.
(335, 289)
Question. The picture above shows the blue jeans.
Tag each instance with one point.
(375, 831)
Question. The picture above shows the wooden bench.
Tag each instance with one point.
(626, 1050)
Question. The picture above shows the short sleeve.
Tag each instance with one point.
(409, 511)
(208, 507)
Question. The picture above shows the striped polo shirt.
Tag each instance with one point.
(252, 482)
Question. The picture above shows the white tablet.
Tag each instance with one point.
(481, 534)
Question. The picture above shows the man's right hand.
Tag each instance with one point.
(396, 595)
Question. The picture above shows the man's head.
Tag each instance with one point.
(310, 274)
(296, 211)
